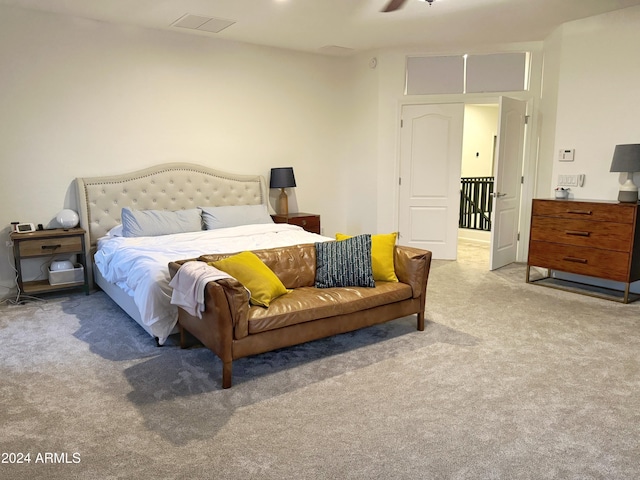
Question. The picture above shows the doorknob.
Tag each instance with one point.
(498, 194)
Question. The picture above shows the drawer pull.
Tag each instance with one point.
(580, 212)
(577, 233)
(575, 259)
(50, 247)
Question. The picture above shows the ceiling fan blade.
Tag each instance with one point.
(393, 5)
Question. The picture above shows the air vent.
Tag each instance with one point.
(202, 23)
(336, 50)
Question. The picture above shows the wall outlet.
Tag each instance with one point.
(9, 243)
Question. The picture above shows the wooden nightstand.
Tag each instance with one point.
(309, 221)
(49, 243)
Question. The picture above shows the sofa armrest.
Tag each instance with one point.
(227, 299)
(174, 266)
(412, 267)
(238, 303)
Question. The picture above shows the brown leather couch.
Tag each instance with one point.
(233, 329)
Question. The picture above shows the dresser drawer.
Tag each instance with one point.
(48, 246)
(594, 262)
(605, 235)
(598, 212)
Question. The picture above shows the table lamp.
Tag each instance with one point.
(626, 158)
(282, 178)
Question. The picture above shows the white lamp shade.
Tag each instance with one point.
(67, 218)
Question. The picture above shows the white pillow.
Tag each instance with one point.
(233, 216)
(152, 223)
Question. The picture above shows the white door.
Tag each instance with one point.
(507, 183)
(430, 160)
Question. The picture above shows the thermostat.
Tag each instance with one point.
(25, 228)
(566, 155)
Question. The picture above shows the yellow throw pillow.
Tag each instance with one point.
(382, 249)
(251, 272)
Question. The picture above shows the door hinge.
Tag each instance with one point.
(518, 239)
(401, 123)
(522, 179)
(399, 180)
(526, 119)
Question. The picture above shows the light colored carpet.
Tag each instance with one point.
(508, 381)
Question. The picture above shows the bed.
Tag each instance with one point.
(133, 270)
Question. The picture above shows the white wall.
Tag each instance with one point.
(359, 165)
(84, 98)
(480, 127)
(547, 112)
(598, 98)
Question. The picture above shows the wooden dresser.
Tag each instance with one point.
(586, 237)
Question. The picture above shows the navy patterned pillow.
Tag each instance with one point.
(344, 264)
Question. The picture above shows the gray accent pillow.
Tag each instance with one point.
(346, 263)
(234, 216)
(152, 223)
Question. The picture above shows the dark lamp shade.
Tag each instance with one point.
(626, 158)
(282, 178)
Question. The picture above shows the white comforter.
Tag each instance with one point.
(139, 265)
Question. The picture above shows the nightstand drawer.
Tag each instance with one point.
(594, 262)
(50, 246)
(310, 223)
(605, 235)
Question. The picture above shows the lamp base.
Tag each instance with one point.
(628, 196)
(283, 202)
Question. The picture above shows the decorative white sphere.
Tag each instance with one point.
(58, 265)
(67, 218)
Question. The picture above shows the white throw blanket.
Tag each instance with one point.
(189, 284)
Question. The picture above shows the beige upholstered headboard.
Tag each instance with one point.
(172, 186)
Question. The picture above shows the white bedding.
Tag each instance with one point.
(139, 265)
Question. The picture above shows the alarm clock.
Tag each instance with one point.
(25, 228)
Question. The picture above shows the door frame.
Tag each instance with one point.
(529, 162)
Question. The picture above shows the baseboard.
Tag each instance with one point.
(477, 236)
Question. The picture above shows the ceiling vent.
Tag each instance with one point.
(336, 50)
(202, 23)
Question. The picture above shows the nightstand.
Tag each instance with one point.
(309, 221)
(46, 244)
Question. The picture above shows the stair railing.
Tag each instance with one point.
(476, 203)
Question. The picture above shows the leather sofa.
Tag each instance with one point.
(232, 328)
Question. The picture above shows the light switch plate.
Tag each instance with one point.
(568, 180)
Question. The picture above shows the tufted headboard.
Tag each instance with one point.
(171, 186)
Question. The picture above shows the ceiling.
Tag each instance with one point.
(344, 27)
